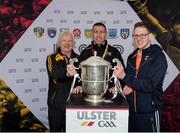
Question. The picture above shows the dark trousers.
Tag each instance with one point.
(144, 122)
(57, 119)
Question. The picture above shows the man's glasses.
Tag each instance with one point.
(141, 36)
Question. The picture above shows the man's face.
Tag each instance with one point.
(66, 43)
(98, 34)
(141, 37)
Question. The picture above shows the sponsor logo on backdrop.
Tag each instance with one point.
(42, 89)
(49, 20)
(82, 47)
(19, 80)
(76, 21)
(42, 49)
(35, 100)
(35, 60)
(116, 22)
(124, 33)
(70, 12)
(63, 21)
(42, 69)
(123, 12)
(64, 29)
(97, 12)
(110, 12)
(112, 33)
(27, 90)
(27, 49)
(51, 32)
(20, 60)
(57, 11)
(98, 118)
(77, 33)
(119, 47)
(27, 70)
(88, 33)
(83, 12)
(90, 21)
(38, 31)
(129, 21)
(35, 80)
(43, 108)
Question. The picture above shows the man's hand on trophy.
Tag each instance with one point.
(70, 70)
(127, 90)
(77, 90)
(112, 90)
(119, 72)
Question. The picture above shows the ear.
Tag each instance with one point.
(151, 36)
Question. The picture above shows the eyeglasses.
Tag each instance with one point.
(141, 36)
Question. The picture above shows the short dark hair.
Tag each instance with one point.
(142, 24)
(100, 24)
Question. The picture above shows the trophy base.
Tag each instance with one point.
(94, 98)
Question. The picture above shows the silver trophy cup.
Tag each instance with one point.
(94, 77)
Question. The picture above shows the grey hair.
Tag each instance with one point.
(65, 33)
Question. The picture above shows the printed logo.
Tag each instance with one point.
(77, 33)
(49, 20)
(86, 123)
(90, 22)
(112, 33)
(119, 48)
(63, 21)
(146, 57)
(97, 12)
(106, 124)
(83, 12)
(88, 33)
(110, 12)
(129, 21)
(116, 22)
(82, 47)
(97, 118)
(124, 33)
(57, 11)
(123, 12)
(64, 29)
(76, 21)
(39, 31)
(51, 32)
(70, 12)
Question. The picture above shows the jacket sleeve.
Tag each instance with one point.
(153, 79)
(56, 70)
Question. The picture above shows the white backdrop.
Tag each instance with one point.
(24, 70)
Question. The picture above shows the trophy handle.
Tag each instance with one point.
(72, 85)
(72, 61)
(118, 87)
(117, 61)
